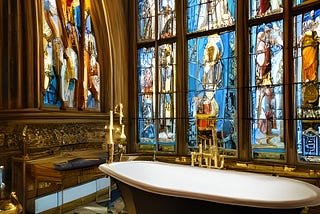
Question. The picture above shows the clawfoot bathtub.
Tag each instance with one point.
(156, 187)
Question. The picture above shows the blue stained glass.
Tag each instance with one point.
(146, 107)
(212, 78)
(146, 70)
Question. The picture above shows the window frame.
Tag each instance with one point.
(243, 91)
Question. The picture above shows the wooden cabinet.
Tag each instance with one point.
(34, 178)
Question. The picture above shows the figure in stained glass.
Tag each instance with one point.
(166, 22)
(266, 7)
(146, 19)
(166, 62)
(212, 76)
(214, 14)
(310, 46)
(91, 67)
(266, 112)
(53, 54)
(61, 34)
(263, 58)
(267, 40)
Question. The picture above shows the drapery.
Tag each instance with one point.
(20, 54)
(112, 42)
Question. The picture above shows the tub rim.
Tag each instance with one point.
(292, 204)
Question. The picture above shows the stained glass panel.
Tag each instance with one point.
(91, 67)
(53, 54)
(210, 14)
(267, 91)
(306, 62)
(167, 93)
(61, 44)
(260, 8)
(167, 18)
(212, 81)
(61, 39)
(146, 102)
(146, 19)
(167, 68)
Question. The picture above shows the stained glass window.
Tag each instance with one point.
(157, 128)
(146, 99)
(212, 82)
(267, 91)
(306, 62)
(61, 39)
(157, 75)
(212, 77)
(267, 76)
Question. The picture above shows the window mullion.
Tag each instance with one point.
(243, 124)
(288, 79)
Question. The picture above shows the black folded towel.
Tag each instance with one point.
(77, 163)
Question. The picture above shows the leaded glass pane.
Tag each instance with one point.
(212, 89)
(167, 126)
(53, 54)
(167, 18)
(91, 67)
(306, 62)
(61, 40)
(260, 8)
(210, 14)
(167, 68)
(146, 19)
(167, 82)
(267, 91)
(146, 99)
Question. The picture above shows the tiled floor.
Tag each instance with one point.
(117, 207)
(92, 208)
